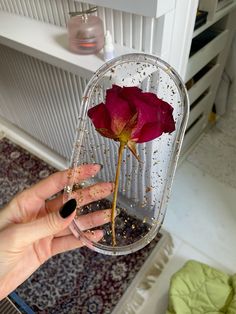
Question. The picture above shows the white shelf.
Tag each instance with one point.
(154, 8)
(206, 54)
(47, 43)
(221, 13)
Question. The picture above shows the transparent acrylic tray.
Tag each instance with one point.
(144, 184)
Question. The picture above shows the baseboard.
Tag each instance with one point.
(35, 147)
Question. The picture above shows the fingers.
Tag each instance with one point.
(57, 181)
(49, 225)
(84, 196)
(93, 220)
(93, 193)
(89, 221)
(70, 242)
(29, 204)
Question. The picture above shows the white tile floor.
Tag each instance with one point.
(201, 215)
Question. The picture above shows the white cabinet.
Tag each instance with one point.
(208, 53)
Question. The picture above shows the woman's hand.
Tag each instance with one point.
(33, 228)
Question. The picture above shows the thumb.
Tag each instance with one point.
(48, 225)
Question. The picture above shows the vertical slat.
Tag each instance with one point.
(166, 35)
(137, 32)
(55, 13)
(72, 5)
(11, 7)
(118, 27)
(157, 35)
(55, 110)
(38, 9)
(19, 8)
(26, 89)
(63, 105)
(34, 75)
(6, 5)
(24, 8)
(69, 96)
(34, 10)
(148, 34)
(8, 82)
(49, 12)
(127, 29)
(109, 21)
(47, 103)
(29, 8)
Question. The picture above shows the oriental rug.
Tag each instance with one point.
(79, 281)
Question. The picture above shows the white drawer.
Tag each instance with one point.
(206, 54)
(203, 83)
(201, 107)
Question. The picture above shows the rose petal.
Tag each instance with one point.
(168, 123)
(119, 110)
(107, 133)
(154, 111)
(149, 132)
(129, 92)
(101, 120)
(130, 115)
(100, 116)
(146, 114)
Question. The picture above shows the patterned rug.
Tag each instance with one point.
(80, 281)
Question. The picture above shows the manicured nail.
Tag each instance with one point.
(68, 208)
(112, 185)
(117, 211)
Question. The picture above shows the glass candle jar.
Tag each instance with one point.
(85, 32)
(144, 183)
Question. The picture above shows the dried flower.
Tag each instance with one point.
(131, 116)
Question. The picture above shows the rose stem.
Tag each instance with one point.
(121, 148)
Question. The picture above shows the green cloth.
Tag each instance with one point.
(198, 288)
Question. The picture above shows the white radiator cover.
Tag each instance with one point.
(44, 100)
(41, 99)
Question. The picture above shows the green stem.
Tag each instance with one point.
(120, 153)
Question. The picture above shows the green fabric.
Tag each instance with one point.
(198, 288)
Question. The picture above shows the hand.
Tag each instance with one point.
(32, 228)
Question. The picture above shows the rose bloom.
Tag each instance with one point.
(131, 116)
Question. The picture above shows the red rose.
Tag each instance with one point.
(129, 114)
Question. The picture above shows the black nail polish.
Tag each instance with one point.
(68, 208)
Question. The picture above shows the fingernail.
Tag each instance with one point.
(68, 208)
(101, 166)
(112, 186)
(118, 210)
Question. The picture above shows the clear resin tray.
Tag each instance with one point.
(144, 182)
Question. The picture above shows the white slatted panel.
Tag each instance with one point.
(41, 99)
(44, 100)
(134, 31)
